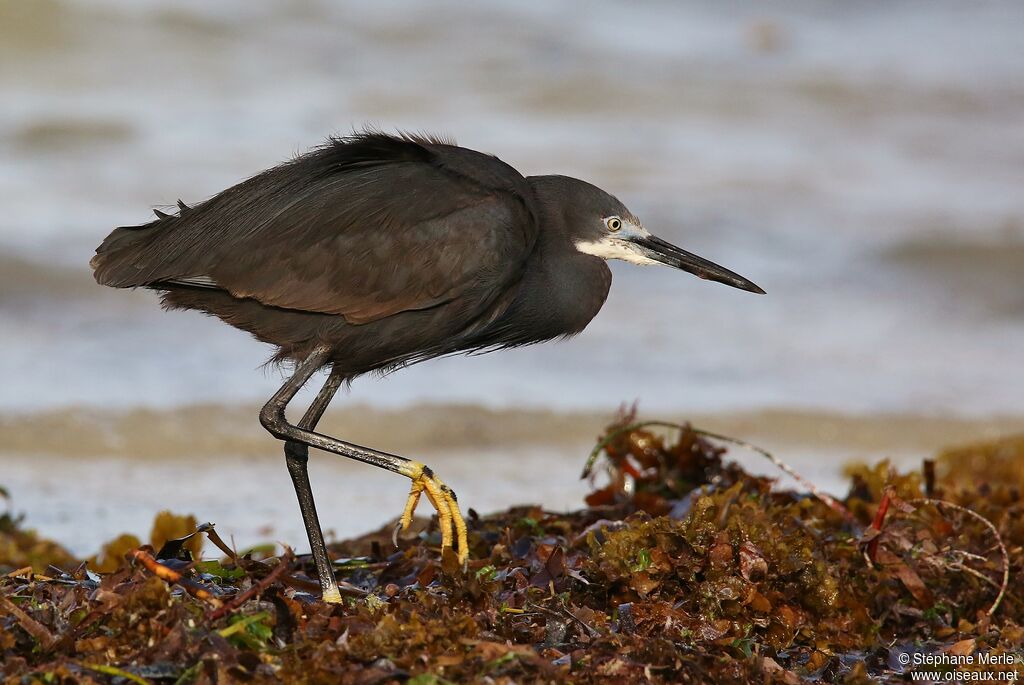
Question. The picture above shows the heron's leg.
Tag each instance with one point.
(440, 495)
(296, 456)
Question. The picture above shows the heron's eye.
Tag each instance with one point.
(614, 223)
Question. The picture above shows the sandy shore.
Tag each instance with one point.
(82, 476)
(212, 430)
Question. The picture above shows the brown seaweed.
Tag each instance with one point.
(682, 568)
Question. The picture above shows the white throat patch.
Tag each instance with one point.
(612, 248)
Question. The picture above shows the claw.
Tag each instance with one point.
(394, 534)
(449, 518)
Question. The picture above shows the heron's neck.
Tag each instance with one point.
(556, 257)
(553, 206)
(561, 289)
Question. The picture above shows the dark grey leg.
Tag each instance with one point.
(296, 456)
(273, 418)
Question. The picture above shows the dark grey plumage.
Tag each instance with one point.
(394, 249)
(375, 251)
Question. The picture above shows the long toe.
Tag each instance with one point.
(458, 522)
(444, 501)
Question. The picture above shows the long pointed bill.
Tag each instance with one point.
(667, 253)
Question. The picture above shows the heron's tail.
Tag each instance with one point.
(122, 257)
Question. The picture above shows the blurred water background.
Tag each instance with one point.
(863, 162)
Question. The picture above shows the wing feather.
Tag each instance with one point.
(364, 228)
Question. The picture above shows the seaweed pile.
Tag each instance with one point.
(682, 568)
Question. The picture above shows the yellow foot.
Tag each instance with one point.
(441, 496)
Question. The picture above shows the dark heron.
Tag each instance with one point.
(376, 251)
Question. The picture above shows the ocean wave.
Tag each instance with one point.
(987, 270)
(25, 278)
(31, 27)
(64, 134)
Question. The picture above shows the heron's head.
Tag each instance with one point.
(601, 226)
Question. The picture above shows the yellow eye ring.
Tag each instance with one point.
(614, 223)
